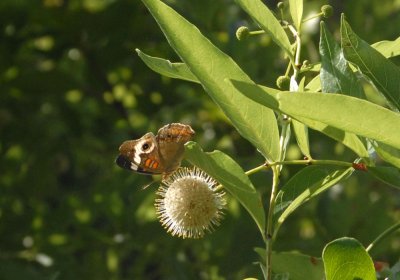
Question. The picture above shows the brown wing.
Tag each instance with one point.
(141, 155)
(171, 139)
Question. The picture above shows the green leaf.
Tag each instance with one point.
(297, 266)
(387, 174)
(387, 153)
(314, 85)
(388, 48)
(305, 185)
(350, 140)
(312, 67)
(166, 68)
(336, 75)
(301, 133)
(346, 258)
(336, 110)
(229, 174)
(268, 22)
(296, 12)
(211, 67)
(381, 71)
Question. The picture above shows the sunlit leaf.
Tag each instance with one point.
(296, 11)
(346, 258)
(388, 48)
(166, 68)
(301, 133)
(211, 67)
(228, 173)
(350, 140)
(314, 85)
(268, 22)
(336, 110)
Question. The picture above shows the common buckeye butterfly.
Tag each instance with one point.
(156, 154)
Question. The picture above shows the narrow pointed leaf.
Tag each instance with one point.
(268, 22)
(306, 184)
(346, 258)
(387, 153)
(301, 133)
(381, 71)
(336, 75)
(296, 11)
(314, 85)
(313, 67)
(348, 139)
(346, 113)
(229, 174)
(166, 68)
(211, 67)
(388, 48)
(387, 174)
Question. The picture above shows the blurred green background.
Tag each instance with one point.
(72, 89)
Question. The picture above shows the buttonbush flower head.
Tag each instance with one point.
(189, 205)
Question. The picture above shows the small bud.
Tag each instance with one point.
(283, 82)
(280, 5)
(306, 65)
(242, 33)
(327, 10)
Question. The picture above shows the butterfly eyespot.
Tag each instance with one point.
(145, 146)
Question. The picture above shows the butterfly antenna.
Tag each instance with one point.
(148, 185)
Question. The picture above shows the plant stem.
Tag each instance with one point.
(295, 162)
(256, 32)
(312, 162)
(383, 235)
(276, 169)
(312, 17)
(269, 229)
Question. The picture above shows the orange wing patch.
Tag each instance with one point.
(149, 163)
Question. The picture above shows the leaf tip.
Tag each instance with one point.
(190, 145)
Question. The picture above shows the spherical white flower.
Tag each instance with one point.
(189, 203)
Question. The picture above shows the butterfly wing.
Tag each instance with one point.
(141, 155)
(171, 139)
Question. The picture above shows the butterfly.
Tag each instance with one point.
(156, 154)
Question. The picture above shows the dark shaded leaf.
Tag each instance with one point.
(387, 174)
(380, 70)
(305, 185)
(336, 75)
